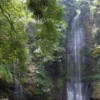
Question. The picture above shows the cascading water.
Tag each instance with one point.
(76, 43)
(18, 87)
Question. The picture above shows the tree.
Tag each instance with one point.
(48, 16)
(95, 11)
(12, 36)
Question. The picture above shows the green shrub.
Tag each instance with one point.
(5, 74)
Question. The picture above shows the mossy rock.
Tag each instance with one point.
(96, 90)
(3, 95)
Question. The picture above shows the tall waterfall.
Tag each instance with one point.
(76, 42)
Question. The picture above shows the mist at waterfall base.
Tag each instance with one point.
(76, 89)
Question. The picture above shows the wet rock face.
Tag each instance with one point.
(27, 87)
(94, 99)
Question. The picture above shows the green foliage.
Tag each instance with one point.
(5, 74)
(12, 36)
(97, 51)
(44, 86)
(48, 15)
(62, 73)
(93, 77)
(96, 91)
(45, 9)
(95, 19)
(43, 82)
(95, 11)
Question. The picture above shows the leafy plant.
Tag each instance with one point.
(5, 74)
(97, 51)
(48, 15)
(42, 80)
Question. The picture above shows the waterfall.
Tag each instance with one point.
(76, 42)
(18, 87)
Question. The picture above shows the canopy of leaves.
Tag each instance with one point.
(95, 11)
(48, 15)
(12, 36)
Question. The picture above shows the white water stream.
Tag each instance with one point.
(75, 60)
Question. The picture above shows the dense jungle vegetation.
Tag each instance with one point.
(33, 46)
